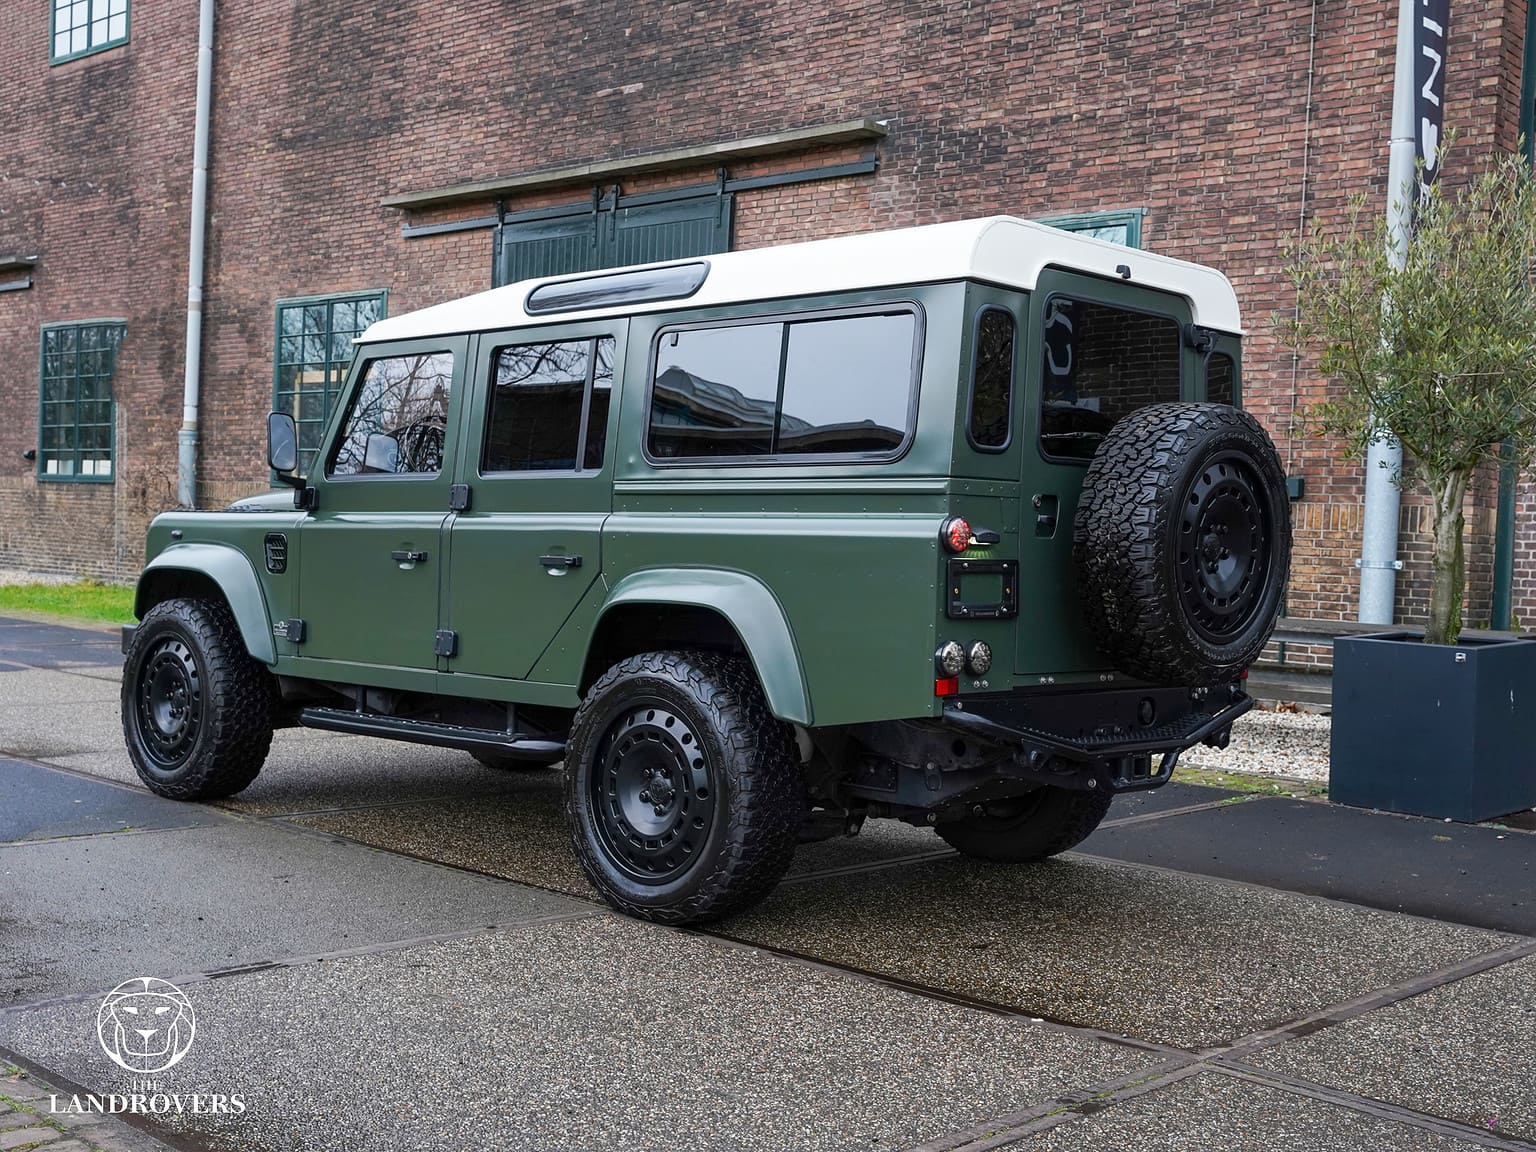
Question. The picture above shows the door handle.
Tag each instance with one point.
(1046, 507)
(403, 557)
(560, 561)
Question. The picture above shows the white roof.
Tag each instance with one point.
(999, 249)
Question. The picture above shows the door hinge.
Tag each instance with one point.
(291, 629)
(458, 498)
(447, 642)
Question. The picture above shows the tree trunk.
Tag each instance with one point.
(1448, 564)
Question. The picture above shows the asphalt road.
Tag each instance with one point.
(390, 947)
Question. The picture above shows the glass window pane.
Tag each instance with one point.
(1101, 363)
(314, 318)
(402, 400)
(534, 417)
(117, 27)
(847, 385)
(61, 44)
(992, 379)
(599, 404)
(290, 321)
(368, 311)
(343, 314)
(715, 391)
(1220, 379)
(98, 32)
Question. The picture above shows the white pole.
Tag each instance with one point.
(1384, 460)
(186, 439)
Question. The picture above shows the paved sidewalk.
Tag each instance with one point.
(389, 946)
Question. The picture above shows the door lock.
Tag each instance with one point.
(560, 561)
(405, 558)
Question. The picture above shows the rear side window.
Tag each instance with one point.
(1220, 379)
(549, 406)
(992, 381)
(402, 407)
(1100, 364)
(838, 386)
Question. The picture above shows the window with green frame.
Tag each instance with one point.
(81, 27)
(1121, 226)
(314, 351)
(76, 412)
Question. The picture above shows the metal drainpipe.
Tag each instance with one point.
(186, 439)
(1384, 460)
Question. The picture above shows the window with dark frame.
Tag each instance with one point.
(1220, 379)
(823, 386)
(81, 27)
(548, 408)
(314, 353)
(1100, 364)
(77, 413)
(989, 421)
(397, 423)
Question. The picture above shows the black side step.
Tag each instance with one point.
(441, 735)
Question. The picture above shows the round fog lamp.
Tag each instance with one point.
(950, 659)
(979, 659)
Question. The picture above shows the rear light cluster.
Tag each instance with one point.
(957, 535)
(952, 659)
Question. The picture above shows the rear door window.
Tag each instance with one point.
(991, 406)
(1100, 364)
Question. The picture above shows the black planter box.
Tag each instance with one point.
(1444, 730)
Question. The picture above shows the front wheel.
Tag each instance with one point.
(1021, 829)
(196, 707)
(682, 792)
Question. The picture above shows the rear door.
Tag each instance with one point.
(1098, 350)
(538, 460)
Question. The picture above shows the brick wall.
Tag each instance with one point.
(1195, 112)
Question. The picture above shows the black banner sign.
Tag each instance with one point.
(1430, 33)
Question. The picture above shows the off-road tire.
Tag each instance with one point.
(755, 790)
(1030, 827)
(503, 763)
(1165, 598)
(227, 700)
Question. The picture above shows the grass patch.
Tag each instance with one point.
(1250, 782)
(81, 600)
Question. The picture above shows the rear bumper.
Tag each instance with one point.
(1117, 755)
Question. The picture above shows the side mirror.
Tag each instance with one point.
(282, 443)
(381, 453)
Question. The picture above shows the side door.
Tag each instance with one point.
(372, 549)
(1098, 350)
(538, 457)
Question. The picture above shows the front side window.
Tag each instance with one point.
(992, 381)
(84, 26)
(314, 351)
(398, 420)
(78, 410)
(1100, 364)
(834, 386)
(549, 406)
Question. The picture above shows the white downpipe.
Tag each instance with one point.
(1384, 460)
(186, 439)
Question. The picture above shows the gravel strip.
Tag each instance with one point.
(1289, 744)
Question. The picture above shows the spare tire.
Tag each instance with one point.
(1182, 543)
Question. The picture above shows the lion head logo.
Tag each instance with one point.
(145, 1025)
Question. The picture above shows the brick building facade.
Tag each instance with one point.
(1191, 120)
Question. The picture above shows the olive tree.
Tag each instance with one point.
(1439, 352)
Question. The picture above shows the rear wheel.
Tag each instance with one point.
(196, 708)
(682, 792)
(1020, 829)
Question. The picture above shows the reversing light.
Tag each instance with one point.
(950, 659)
(979, 659)
(956, 534)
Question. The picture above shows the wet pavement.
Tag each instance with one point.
(390, 946)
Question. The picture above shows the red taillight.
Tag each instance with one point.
(956, 534)
(949, 687)
(1243, 675)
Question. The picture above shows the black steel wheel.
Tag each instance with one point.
(196, 708)
(1021, 829)
(682, 792)
(1182, 543)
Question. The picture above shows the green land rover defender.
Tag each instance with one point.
(959, 525)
